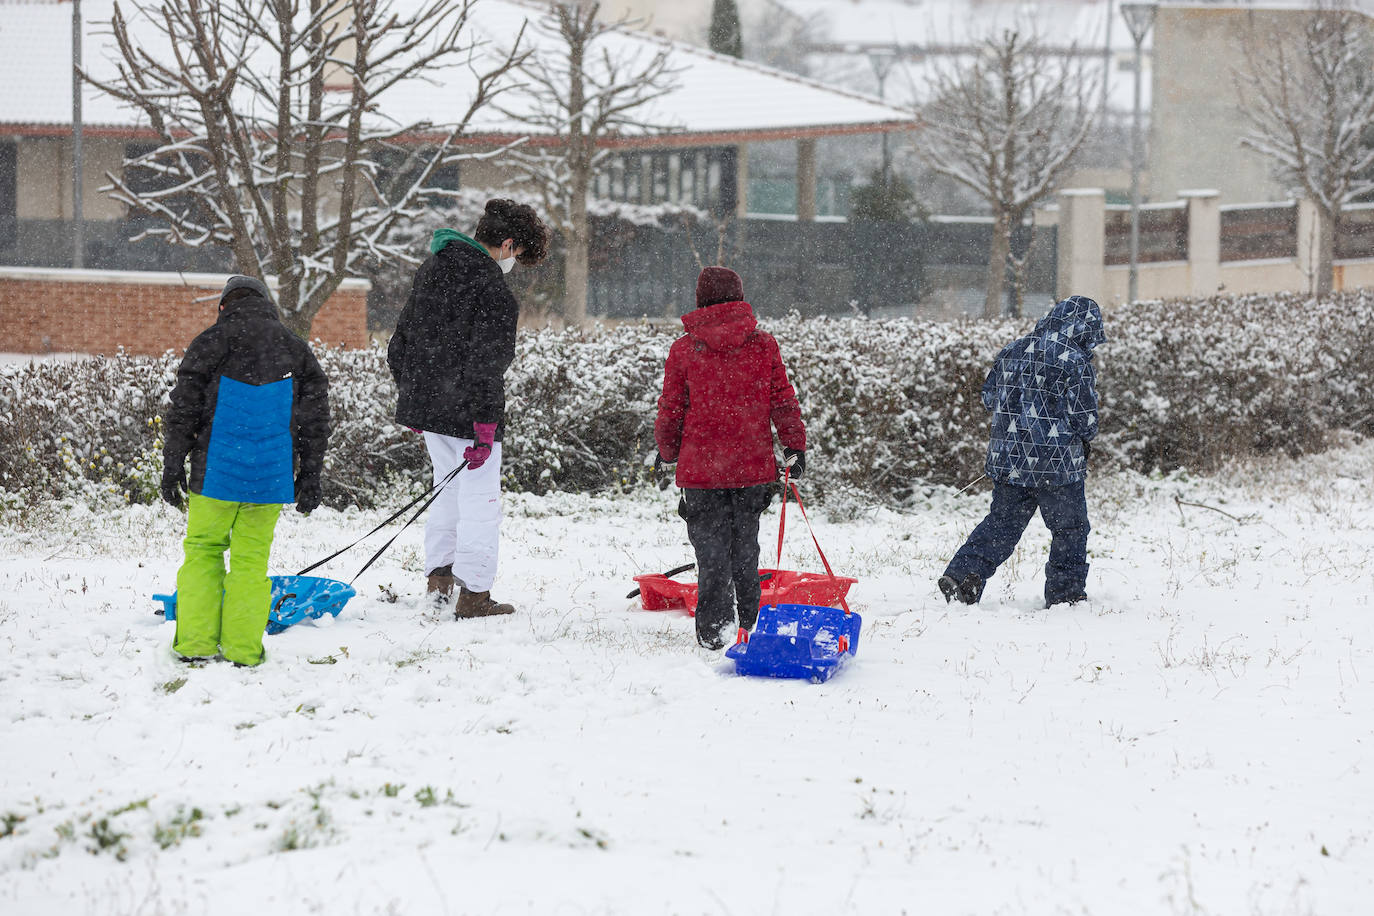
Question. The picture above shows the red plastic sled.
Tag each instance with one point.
(659, 593)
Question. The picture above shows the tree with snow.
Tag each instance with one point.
(1307, 98)
(723, 36)
(590, 88)
(1007, 123)
(273, 137)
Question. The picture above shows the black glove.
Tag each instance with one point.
(795, 458)
(665, 472)
(174, 484)
(308, 493)
(1087, 451)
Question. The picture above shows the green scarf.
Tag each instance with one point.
(443, 236)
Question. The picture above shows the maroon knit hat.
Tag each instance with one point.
(718, 284)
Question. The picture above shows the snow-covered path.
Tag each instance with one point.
(1198, 739)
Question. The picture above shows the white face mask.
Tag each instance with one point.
(506, 264)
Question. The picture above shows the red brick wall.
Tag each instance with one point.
(96, 312)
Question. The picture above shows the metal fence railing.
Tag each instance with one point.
(1251, 232)
(831, 266)
(1355, 232)
(1163, 233)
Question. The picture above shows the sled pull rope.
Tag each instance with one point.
(782, 522)
(824, 562)
(432, 493)
(788, 483)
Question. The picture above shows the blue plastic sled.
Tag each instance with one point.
(798, 641)
(294, 598)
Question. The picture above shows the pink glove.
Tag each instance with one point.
(477, 454)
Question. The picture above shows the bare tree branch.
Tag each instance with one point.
(589, 90)
(271, 116)
(1310, 108)
(1007, 123)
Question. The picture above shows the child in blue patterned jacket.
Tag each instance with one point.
(1041, 391)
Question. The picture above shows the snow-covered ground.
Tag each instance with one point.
(1198, 739)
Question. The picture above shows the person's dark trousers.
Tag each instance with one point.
(1065, 512)
(723, 526)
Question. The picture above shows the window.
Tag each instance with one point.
(390, 160)
(143, 180)
(702, 177)
(9, 194)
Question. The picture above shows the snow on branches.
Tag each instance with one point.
(582, 87)
(272, 137)
(1006, 122)
(1307, 101)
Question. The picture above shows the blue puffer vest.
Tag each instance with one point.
(249, 459)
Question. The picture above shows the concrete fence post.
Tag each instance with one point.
(1082, 243)
(1204, 241)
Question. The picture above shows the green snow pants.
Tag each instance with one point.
(219, 612)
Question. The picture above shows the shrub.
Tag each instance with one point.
(888, 404)
(1191, 382)
(84, 426)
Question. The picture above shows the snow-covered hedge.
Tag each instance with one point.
(888, 404)
(1190, 383)
(77, 428)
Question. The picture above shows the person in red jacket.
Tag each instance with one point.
(724, 391)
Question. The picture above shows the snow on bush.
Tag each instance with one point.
(888, 404)
(1188, 383)
(86, 428)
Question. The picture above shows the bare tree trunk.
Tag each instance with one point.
(1323, 262)
(581, 149)
(1000, 249)
(1020, 269)
(575, 265)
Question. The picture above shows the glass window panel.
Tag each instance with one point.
(674, 178)
(617, 170)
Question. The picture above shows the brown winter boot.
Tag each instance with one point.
(439, 588)
(479, 604)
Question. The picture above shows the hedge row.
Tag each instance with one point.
(888, 404)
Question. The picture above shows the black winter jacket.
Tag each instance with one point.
(454, 340)
(248, 344)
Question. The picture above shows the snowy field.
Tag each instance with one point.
(1197, 739)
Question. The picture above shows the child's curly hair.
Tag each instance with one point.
(506, 219)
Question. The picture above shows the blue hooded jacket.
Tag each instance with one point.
(1043, 399)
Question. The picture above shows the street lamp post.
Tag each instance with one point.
(78, 164)
(1140, 17)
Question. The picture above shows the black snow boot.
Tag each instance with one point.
(968, 591)
(711, 638)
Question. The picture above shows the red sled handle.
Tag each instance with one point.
(789, 484)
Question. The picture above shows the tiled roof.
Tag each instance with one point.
(715, 95)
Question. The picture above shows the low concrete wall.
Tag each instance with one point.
(100, 312)
(1082, 219)
(1162, 280)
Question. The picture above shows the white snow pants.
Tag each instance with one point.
(464, 524)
